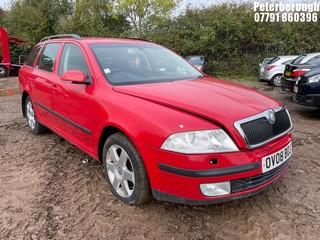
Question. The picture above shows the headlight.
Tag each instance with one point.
(313, 79)
(207, 141)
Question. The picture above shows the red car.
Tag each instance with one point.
(162, 128)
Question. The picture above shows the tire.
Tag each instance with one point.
(34, 126)
(125, 171)
(276, 80)
(3, 71)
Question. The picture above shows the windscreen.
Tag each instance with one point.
(125, 64)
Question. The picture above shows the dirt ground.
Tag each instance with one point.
(51, 190)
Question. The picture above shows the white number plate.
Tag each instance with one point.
(276, 159)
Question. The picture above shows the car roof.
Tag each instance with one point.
(288, 56)
(308, 57)
(90, 40)
(278, 60)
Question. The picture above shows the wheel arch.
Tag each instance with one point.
(105, 134)
(277, 74)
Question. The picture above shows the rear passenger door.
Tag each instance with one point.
(73, 102)
(41, 81)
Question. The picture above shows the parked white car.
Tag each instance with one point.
(261, 67)
(273, 70)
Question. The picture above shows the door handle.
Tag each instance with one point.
(54, 88)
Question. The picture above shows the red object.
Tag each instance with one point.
(299, 72)
(5, 40)
(74, 76)
(270, 67)
(149, 113)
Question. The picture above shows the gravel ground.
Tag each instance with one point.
(51, 190)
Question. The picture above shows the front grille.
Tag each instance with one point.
(255, 181)
(257, 130)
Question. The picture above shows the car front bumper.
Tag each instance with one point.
(177, 177)
(308, 94)
(312, 100)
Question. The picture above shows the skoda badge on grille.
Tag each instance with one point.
(271, 117)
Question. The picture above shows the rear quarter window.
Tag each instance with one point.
(32, 56)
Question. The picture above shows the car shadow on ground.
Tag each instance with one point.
(309, 113)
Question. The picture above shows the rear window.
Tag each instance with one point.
(299, 59)
(287, 62)
(273, 60)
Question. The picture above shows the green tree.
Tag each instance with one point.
(143, 15)
(93, 18)
(32, 20)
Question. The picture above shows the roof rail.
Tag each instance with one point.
(75, 36)
(141, 39)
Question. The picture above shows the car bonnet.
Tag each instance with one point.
(220, 101)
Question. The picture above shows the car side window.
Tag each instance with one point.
(48, 57)
(32, 56)
(72, 59)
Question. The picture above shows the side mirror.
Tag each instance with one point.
(74, 76)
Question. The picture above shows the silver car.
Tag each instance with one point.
(261, 67)
(273, 70)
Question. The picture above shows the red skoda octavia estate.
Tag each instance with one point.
(161, 128)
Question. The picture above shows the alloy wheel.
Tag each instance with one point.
(30, 115)
(120, 170)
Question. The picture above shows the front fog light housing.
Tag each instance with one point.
(215, 189)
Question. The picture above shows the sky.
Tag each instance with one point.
(4, 4)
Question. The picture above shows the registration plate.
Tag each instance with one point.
(287, 73)
(295, 89)
(276, 159)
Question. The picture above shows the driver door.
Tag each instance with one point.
(73, 102)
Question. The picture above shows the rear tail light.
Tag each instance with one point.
(270, 67)
(298, 72)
